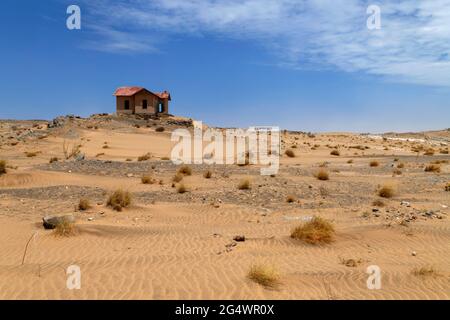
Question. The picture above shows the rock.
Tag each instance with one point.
(405, 203)
(50, 222)
(414, 253)
(80, 157)
(90, 219)
(239, 238)
(375, 210)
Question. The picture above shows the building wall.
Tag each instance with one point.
(120, 105)
(151, 103)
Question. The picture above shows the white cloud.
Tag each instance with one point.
(412, 46)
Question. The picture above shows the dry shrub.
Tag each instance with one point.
(181, 188)
(84, 204)
(2, 167)
(100, 154)
(447, 187)
(378, 203)
(207, 174)
(145, 157)
(264, 275)
(318, 230)
(335, 153)
(429, 152)
(427, 271)
(290, 153)
(160, 129)
(443, 151)
(322, 175)
(105, 146)
(350, 161)
(374, 163)
(65, 229)
(165, 158)
(185, 170)
(386, 191)
(177, 178)
(119, 199)
(290, 199)
(31, 154)
(147, 179)
(397, 172)
(401, 165)
(70, 152)
(244, 184)
(53, 159)
(433, 168)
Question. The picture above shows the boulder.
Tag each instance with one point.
(51, 222)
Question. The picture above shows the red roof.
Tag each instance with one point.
(127, 91)
(131, 91)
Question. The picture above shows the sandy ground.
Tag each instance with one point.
(168, 245)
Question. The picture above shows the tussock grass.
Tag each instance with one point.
(70, 152)
(397, 172)
(429, 152)
(267, 276)
(160, 129)
(433, 168)
(386, 191)
(119, 199)
(2, 167)
(316, 231)
(185, 170)
(401, 165)
(181, 188)
(322, 174)
(244, 185)
(84, 204)
(31, 154)
(65, 229)
(290, 153)
(447, 187)
(350, 161)
(53, 159)
(177, 177)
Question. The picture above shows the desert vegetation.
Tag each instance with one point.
(264, 275)
(119, 200)
(316, 231)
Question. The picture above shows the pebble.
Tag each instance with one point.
(414, 253)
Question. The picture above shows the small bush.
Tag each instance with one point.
(318, 230)
(350, 161)
(374, 163)
(429, 152)
(397, 172)
(144, 157)
(207, 174)
(119, 199)
(386, 191)
(433, 168)
(244, 185)
(84, 204)
(447, 187)
(181, 188)
(290, 153)
(2, 167)
(147, 179)
(65, 229)
(160, 129)
(264, 275)
(322, 175)
(53, 159)
(400, 165)
(185, 170)
(335, 153)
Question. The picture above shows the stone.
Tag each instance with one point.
(51, 222)
(239, 238)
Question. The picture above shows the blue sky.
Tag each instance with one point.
(301, 65)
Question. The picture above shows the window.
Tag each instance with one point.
(144, 104)
(127, 105)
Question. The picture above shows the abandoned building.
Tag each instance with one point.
(138, 100)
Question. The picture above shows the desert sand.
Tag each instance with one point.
(170, 245)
